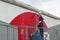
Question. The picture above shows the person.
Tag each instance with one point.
(40, 25)
(31, 36)
(37, 35)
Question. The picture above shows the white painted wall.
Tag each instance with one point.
(8, 12)
(50, 21)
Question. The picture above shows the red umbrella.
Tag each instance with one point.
(26, 19)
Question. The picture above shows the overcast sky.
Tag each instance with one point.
(50, 6)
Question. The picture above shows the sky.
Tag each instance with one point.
(50, 6)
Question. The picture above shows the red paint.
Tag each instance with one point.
(28, 19)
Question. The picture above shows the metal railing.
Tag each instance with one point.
(8, 32)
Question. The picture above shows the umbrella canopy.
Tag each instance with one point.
(26, 19)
